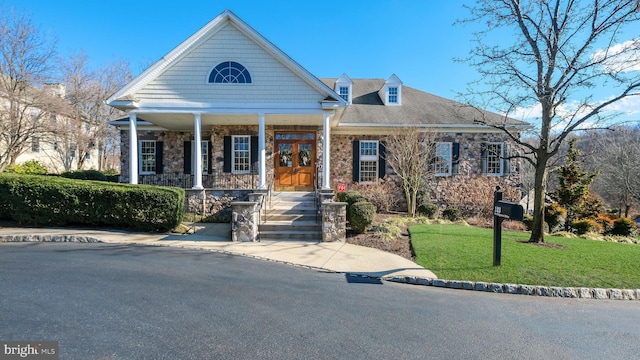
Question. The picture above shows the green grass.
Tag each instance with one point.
(456, 252)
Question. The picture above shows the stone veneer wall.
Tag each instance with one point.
(469, 190)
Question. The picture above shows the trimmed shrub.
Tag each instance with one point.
(85, 175)
(429, 210)
(360, 215)
(452, 214)
(384, 194)
(583, 226)
(32, 167)
(554, 216)
(351, 197)
(623, 227)
(55, 201)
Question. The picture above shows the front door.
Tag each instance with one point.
(295, 161)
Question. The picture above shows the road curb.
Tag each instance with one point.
(48, 238)
(519, 289)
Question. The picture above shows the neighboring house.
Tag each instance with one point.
(263, 121)
(54, 141)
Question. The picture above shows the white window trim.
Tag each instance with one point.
(140, 162)
(450, 153)
(369, 158)
(233, 154)
(397, 95)
(500, 158)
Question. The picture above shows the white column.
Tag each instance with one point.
(197, 147)
(326, 153)
(133, 149)
(262, 154)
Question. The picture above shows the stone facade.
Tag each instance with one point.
(245, 221)
(469, 189)
(334, 220)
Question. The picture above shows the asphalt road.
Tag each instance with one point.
(135, 302)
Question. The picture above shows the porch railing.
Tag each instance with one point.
(215, 180)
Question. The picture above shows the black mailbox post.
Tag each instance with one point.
(502, 210)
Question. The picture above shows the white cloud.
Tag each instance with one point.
(622, 57)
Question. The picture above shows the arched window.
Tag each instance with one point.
(229, 72)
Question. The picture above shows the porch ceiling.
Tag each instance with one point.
(184, 122)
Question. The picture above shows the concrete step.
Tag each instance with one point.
(306, 235)
(288, 226)
(291, 217)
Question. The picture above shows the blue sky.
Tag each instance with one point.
(414, 39)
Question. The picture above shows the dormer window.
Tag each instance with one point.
(391, 92)
(229, 72)
(344, 88)
(344, 93)
(393, 95)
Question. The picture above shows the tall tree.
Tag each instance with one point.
(560, 50)
(26, 64)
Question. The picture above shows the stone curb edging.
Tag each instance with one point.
(49, 238)
(535, 290)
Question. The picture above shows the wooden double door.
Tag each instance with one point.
(295, 161)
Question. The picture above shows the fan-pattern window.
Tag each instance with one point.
(230, 72)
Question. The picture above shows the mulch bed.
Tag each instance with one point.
(400, 246)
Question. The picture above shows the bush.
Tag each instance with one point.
(452, 214)
(31, 167)
(54, 201)
(429, 210)
(528, 223)
(583, 226)
(624, 227)
(351, 197)
(360, 216)
(554, 216)
(384, 194)
(85, 175)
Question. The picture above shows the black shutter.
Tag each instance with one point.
(356, 161)
(432, 149)
(209, 158)
(159, 164)
(455, 157)
(483, 158)
(506, 161)
(382, 156)
(187, 157)
(226, 167)
(254, 154)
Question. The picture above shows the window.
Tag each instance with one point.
(368, 161)
(229, 72)
(442, 159)
(204, 156)
(147, 157)
(344, 92)
(393, 95)
(241, 155)
(35, 144)
(492, 159)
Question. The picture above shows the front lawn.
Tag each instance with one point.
(456, 252)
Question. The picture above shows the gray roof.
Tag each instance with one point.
(417, 108)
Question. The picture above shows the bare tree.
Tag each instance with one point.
(410, 153)
(88, 128)
(26, 57)
(561, 49)
(619, 167)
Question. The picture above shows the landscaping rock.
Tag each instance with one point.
(511, 288)
(557, 291)
(455, 284)
(496, 288)
(628, 294)
(570, 293)
(527, 290)
(439, 283)
(585, 293)
(615, 294)
(467, 285)
(543, 291)
(600, 294)
(480, 286)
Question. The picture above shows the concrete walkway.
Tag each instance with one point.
(336, 256)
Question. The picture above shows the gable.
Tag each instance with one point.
(187, 79)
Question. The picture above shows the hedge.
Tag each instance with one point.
(53, 201)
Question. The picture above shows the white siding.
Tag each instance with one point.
(187, 79)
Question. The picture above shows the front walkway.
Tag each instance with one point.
(330, 256)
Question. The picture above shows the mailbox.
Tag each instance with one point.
(508, 210)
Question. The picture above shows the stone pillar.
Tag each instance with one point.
(258, 198)
(334, 221)
(325, 195)
(262, 154)
(244, 221)
(133, 149)
(197, 151)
